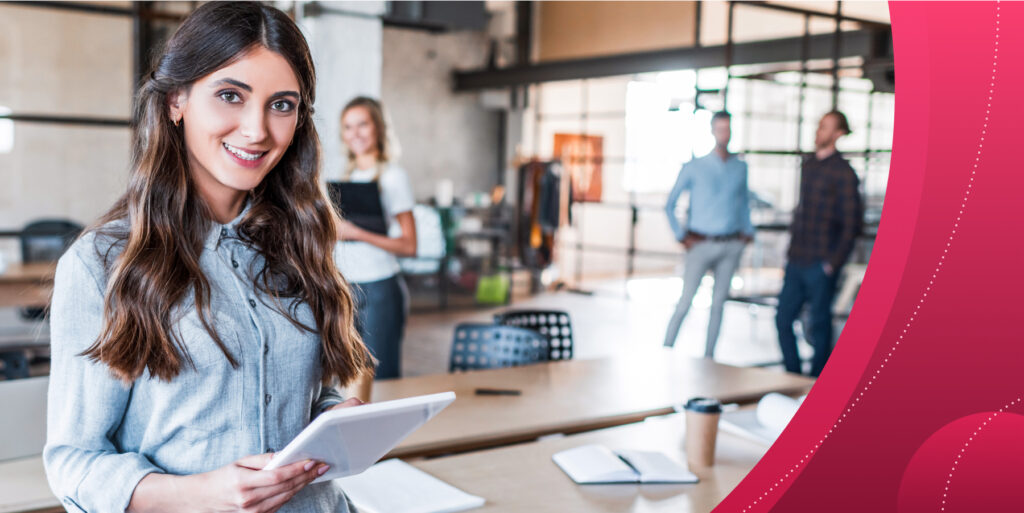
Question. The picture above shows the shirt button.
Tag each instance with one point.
(234, 263)
(252, 303)
(271, 449)
(223, 232)
(266, 399)
(266, 349)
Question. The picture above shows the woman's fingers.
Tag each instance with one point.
(292, 485)
(274, 503)
(256, 461)
(352, 401)
(252, 479)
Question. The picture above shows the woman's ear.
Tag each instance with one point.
(176, 101)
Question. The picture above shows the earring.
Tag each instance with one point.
(176, 121)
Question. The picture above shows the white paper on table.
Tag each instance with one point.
(765, 423)
(774, 411)
(394, 486)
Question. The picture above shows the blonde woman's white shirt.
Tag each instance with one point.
(362, 262)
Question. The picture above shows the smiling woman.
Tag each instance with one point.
(202, 321)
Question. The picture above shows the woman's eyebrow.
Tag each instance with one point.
(236, 83)
(248, 88)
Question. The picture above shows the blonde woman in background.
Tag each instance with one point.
(368, 260)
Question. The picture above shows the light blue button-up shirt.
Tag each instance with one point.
(104, 436)
(719, 198)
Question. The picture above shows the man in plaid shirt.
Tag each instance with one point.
(825, 226)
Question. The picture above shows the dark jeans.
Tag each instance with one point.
(381, 309)
(806, 284)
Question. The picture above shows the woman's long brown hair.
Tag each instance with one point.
(159, 225)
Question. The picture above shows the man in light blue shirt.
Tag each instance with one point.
(716, 229)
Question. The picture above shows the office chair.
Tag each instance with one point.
(553, 324)
(45, 240)
(489, 346)
(430, 262)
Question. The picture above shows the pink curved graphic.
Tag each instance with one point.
(934, 335)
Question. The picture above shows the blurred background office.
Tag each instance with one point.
(544, 138)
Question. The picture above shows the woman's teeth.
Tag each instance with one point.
(242, 154)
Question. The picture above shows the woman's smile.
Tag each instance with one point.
(244, 158)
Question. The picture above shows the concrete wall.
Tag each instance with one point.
(441, 134)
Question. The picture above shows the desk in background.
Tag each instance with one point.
(572, 396)
(27, 284)
(24, 489)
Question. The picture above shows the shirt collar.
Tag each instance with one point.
(715, 157)
(835, 155)
(219, 232)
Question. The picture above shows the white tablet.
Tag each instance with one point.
(351, 439)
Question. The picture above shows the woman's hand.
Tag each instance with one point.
(403, 246)
(240, 486)
(349, 231)
(352, 401)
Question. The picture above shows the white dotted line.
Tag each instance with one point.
(928, 288)
(963, 450)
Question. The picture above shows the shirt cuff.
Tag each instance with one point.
(111, 481)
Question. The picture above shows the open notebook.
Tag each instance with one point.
(394, 486)
(597, 464)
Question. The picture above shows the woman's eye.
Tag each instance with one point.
(230, 97)
(282, 106)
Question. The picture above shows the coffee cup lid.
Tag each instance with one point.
(704, 405)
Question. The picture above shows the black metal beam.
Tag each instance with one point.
(524, 31)
(67, 120)
(854, 43)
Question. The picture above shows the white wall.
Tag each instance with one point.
(347, 54)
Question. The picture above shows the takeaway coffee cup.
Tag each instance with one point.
(701, 430)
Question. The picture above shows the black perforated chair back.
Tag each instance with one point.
(489, 346)
(553, 324)
(47, 239)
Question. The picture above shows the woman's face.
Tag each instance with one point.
(238, 122)
(358, 131)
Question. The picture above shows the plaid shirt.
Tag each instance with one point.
(828, 219)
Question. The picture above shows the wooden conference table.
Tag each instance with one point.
(572, 396)
(26, 284)
(523, 477)
(557, 397)
(519, 477)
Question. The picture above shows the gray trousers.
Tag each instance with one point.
(720, 257)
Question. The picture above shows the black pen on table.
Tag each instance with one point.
(497, 391)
